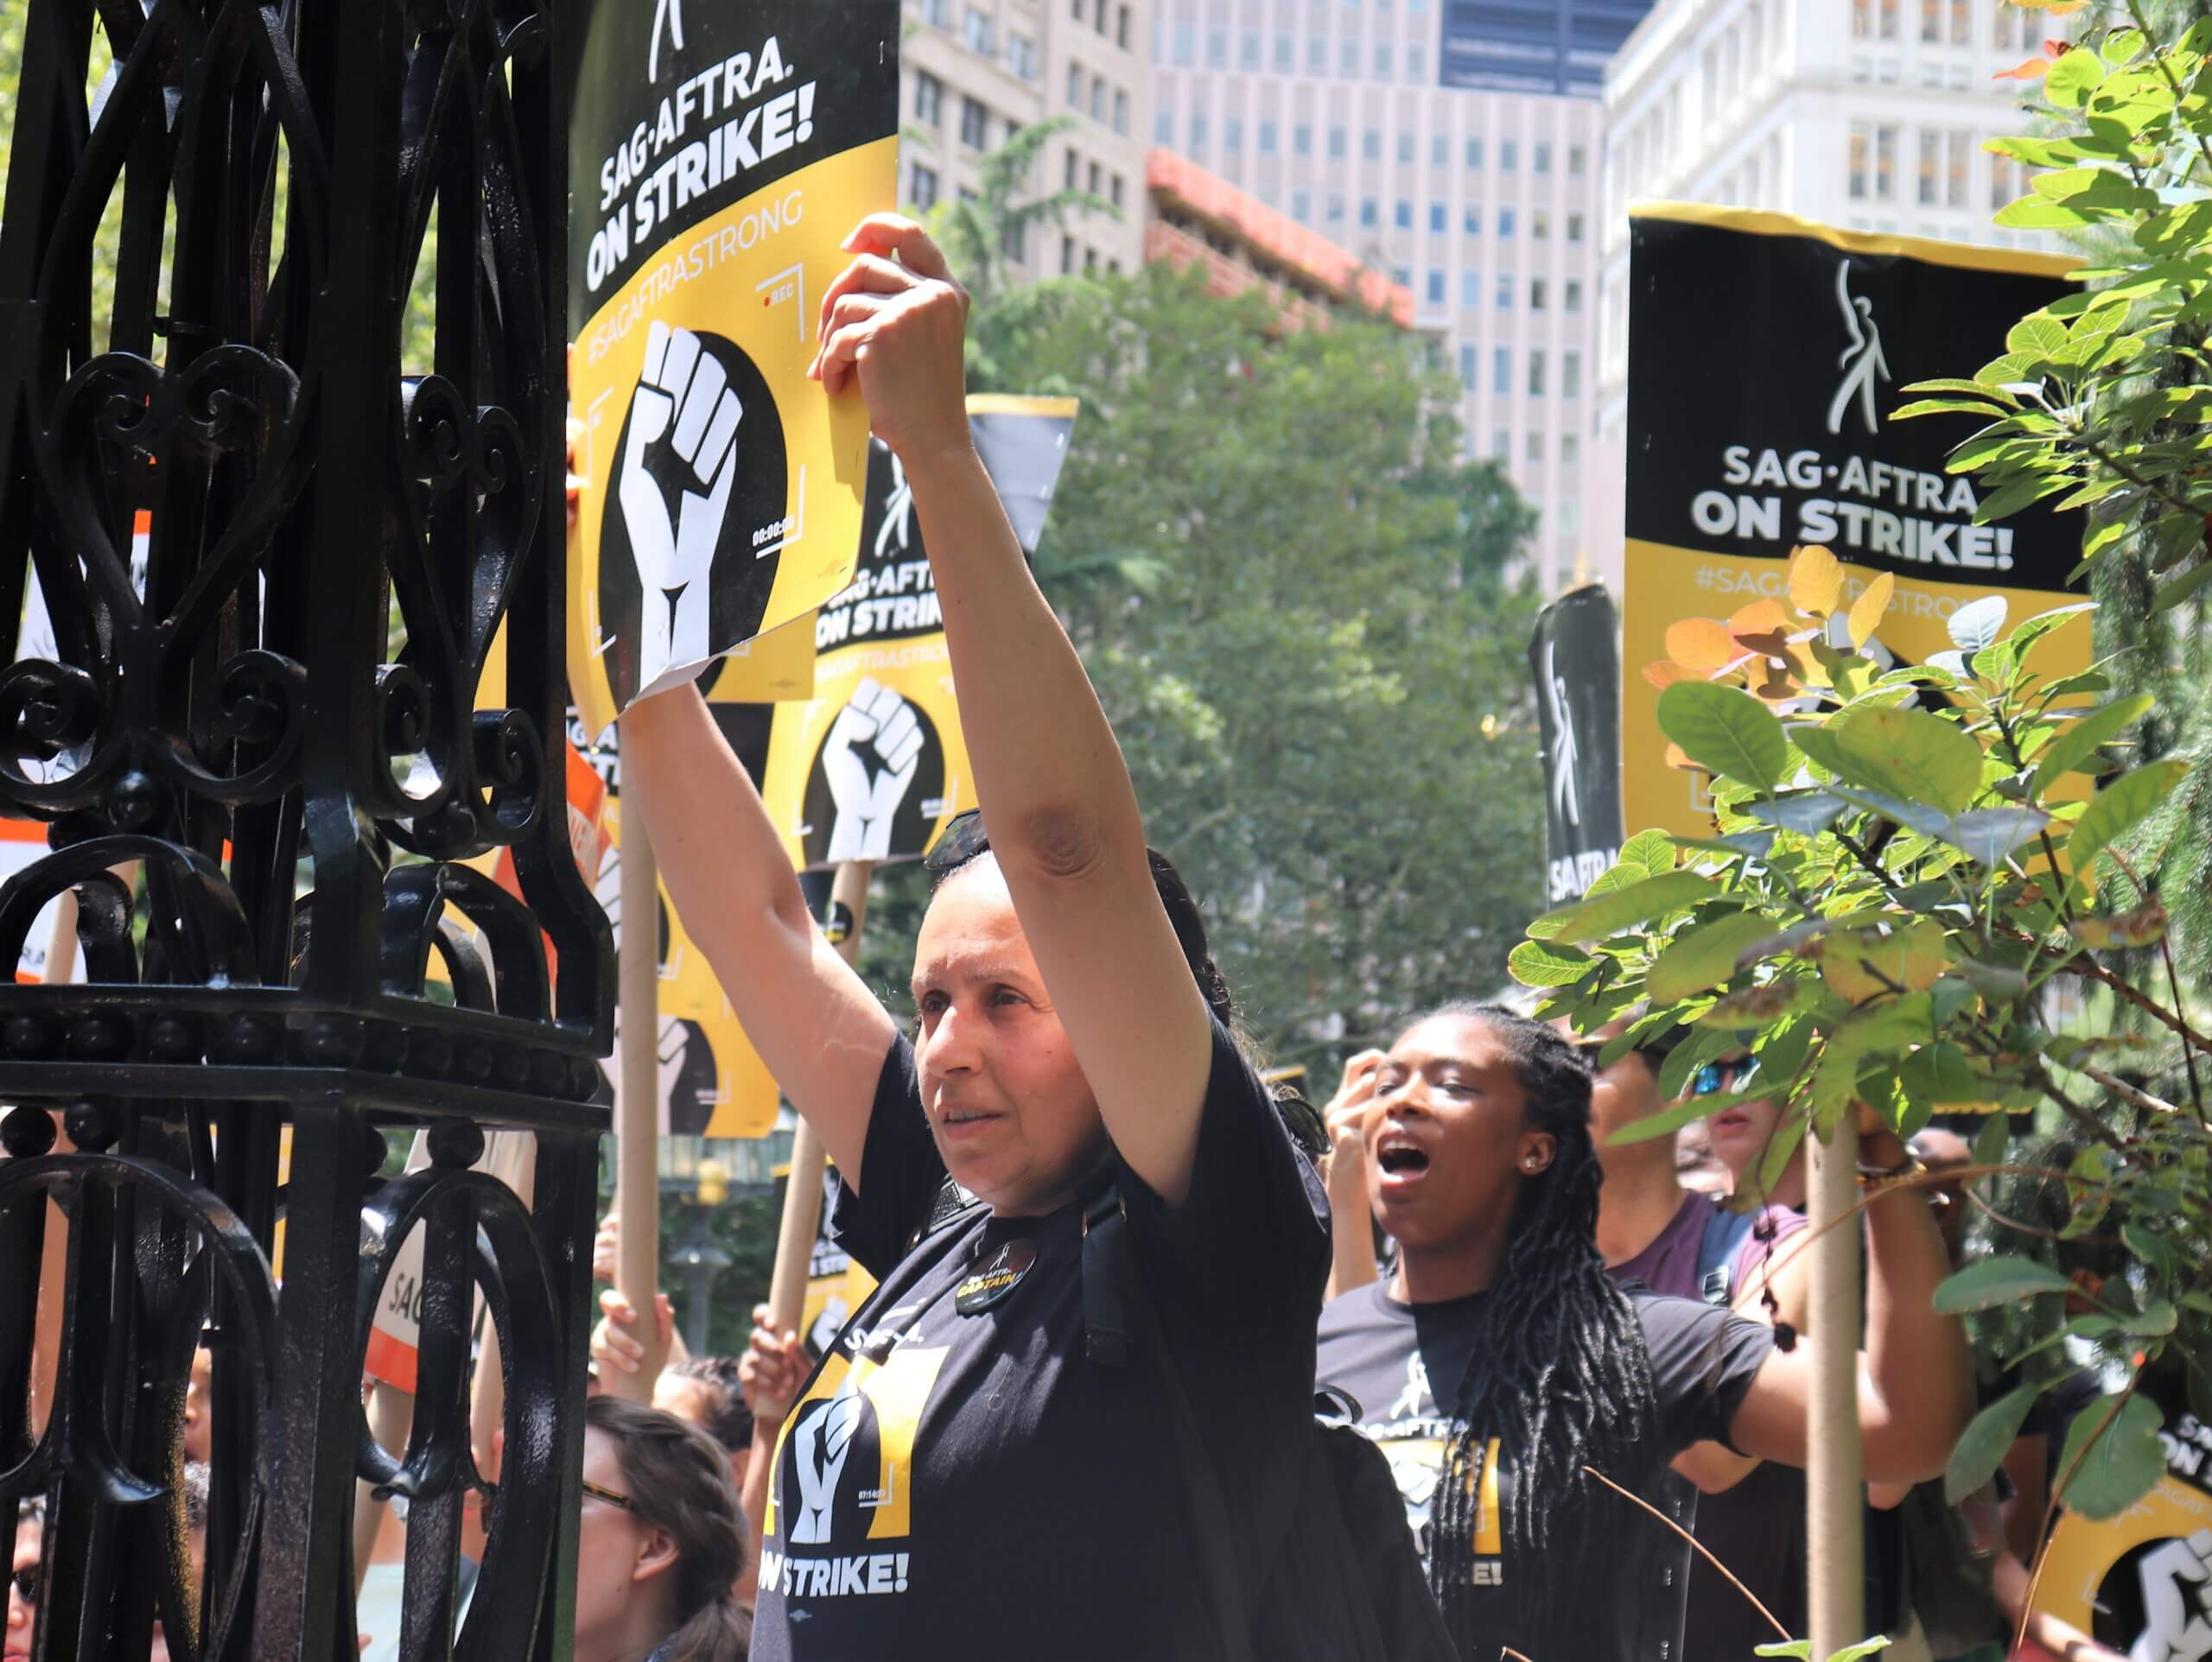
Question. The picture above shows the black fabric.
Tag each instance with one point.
(981, 1488)
(1387, 1354)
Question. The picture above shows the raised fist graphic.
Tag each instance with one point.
(820, 1444)
(869, 760)
(2177, 1601)
(684, 403)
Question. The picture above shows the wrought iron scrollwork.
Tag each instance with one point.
(290, 564)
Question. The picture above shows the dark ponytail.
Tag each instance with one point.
(1558, 1374)
(678, 1479)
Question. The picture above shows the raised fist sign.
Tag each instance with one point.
(822, 1439)
(869, 760)
(2176, 1603)
(682, 401)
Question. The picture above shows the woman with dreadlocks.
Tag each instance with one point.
(1505, 1374)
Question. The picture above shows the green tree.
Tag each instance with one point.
(981, 234)
(1291, 592)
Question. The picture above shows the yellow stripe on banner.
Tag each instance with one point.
(1010, 404)
(1965, 256)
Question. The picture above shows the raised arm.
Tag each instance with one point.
(813, 1020)
(1916, 1376)
(1056, 795)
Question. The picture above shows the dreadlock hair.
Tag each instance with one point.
(726, 1416)
(1558, 1375)
(678, 1479)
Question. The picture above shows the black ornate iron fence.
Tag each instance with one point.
(263, 742)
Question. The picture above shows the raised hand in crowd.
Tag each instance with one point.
(615, 1343)
(1351, 1231)
(772, 1370)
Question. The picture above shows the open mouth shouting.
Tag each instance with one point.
(1402, 1161)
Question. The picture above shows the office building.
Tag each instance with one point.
(1868, 115)
(972, 71)
(1432, 140)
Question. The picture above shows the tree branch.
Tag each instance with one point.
(2082, 964)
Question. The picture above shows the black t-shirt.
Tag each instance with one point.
(1391, 1356)
(973, 1486)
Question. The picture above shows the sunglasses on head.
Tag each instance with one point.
(962, 839)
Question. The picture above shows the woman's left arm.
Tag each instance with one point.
(1916, 1376)
(1060, 809)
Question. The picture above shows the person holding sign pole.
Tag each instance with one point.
(982, 1466)
(1514, 1384)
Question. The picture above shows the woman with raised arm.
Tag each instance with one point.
(982, 1465)
(1513, 1383)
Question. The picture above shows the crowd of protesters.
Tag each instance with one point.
(1078, 1419)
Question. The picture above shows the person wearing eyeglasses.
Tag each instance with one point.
(660, 1542)
(983, 1464)
(23, 1579)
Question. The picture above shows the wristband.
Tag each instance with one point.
(1873, 1180)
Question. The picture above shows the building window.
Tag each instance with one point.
(1532, 445)
(1570, 375)
(1508, 155)
(1301, 139)
(1113, 191)
(1370, 145)
(1471, 290)
(1013, 241)
(938, 12)
(1505, 291)
(1578, 161)
(1873, 162)
(1317, 56)
(1472, 219)
(979, 33)
(1542, 158)
(1501, 445)
(1536, 295)
(1163, 126)
(1536, 371)
(1067, 255)
(1097, 99)
(1931, 168)
(1436, 288)
(1416, 63)
(1122, 29)
(1474, 154)
(1405, 149)
(929, 98)
(1301, 208)
(2005, 182)
(1074, 169)
(1074, 86)
(1466, 369)
(1285, 55)
(1185, 45)
(1198, 135)
(1267, 138)
(1436, 219)
(1247, 50)
(1217, 49)
(1348, 60)
(1232, 137)
(1094, 177)
(1335, 143)
(1505, 222)
(1570, 300)
(925, 190)
(1021, 56)
(1570, 450)
(1382, 60)
(1335, 207)
(1574, 227)
(1439, 151)
(1540, 223)
(1403, 216)
(1501, 374)
(1958, 152)
(975, 124)
(1371, 213)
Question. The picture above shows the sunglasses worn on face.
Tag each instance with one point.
(963, 839)
(1718, 1077)
(609, 1496)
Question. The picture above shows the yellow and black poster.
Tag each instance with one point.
(1766, 355)
(875, 765)
(720, 155)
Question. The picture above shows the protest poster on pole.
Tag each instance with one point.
(720, 155)
(875, 765)
(1766, 355)
(1575, 656)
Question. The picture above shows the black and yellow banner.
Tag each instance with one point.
(1766, 355)
(719, 155)
(875, 765)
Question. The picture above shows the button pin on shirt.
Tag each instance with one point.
(993, 1281)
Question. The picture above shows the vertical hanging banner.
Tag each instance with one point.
(1766, 357)
(1575, 658)
(875, 765)
(719, 153)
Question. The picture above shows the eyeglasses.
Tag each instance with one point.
(27, 1581)
(611, 1499)
(963, 838)
(1718, 1077)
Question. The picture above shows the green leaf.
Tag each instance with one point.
(1651, 852)
(1979, 623)
(1909, 754)
(2156, 1320)
(1705, 956)
(2032, 630)
(1802, 1649)
(2116, 809)
(2171, 594)
(1988, 1438)
(2122, 45)
(1945, 407)
(2038, 334)
(2081, 741)
(1990, 835)
(2072, 78)
(1725, 731)
(1625, 907)
(1939, 1075)
(1808, 813)
(1990, 1282)
(1546, 963)
(2123, 1463)
(1993, 1141)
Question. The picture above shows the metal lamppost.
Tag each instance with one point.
(699, 1257)
(290, 721)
